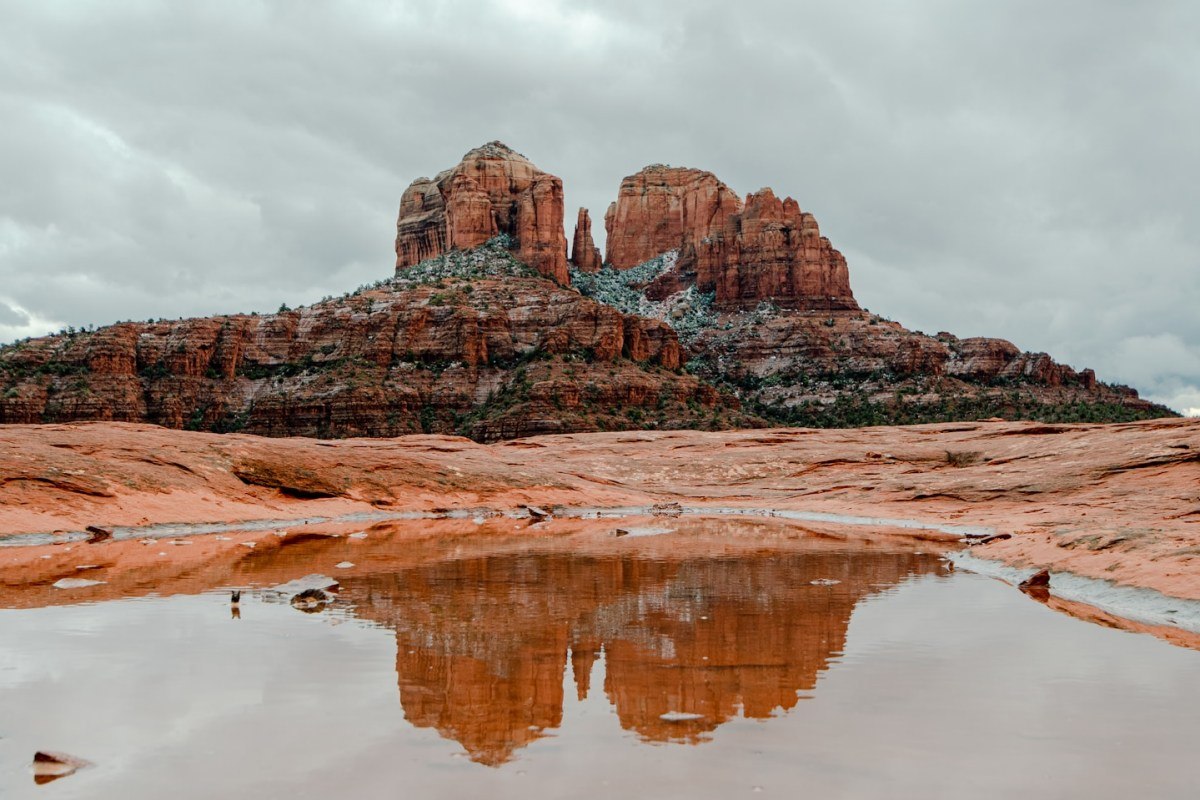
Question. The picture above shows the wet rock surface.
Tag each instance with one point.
(1115, 502)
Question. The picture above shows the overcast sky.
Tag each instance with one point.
(1021, 169)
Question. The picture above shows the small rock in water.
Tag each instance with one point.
(97, 534)
(679, 716)
(311, 600)
(825, 582)
(620, 532)
(1041, 578)
(74, 583)
(49, 766)
(666, 509)
(345, 565)
(537, 512)
(1037, 585)
(315, 581)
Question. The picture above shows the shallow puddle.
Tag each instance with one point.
(712, 660)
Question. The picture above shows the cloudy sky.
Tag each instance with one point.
(1020, 169)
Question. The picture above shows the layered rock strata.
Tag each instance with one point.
(493, 190)
(492, 358)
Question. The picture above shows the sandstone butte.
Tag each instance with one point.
(480, 334)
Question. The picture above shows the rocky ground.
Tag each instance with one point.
(1118, 502)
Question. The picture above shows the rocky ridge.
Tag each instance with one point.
(469, 342)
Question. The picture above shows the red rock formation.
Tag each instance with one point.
(763, 249)
(584, 253)
(664, 208)
(772, 250)
(493, 190)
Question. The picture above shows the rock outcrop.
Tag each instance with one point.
(584, 253)
(746, 252)
(665, 208)
(493, 190)
(771, 250)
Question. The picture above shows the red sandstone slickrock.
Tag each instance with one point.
(1118, 502)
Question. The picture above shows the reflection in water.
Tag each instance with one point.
(491, 633)
(483, 643)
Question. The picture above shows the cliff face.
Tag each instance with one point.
(665, 208)
(746, 252)
(772, 250)
(493, 190)
(496, 356)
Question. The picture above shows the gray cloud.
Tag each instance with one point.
(12, 316)
(1016, 169)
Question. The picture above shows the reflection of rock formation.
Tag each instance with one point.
(483, 643)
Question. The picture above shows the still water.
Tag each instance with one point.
(670, 666)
